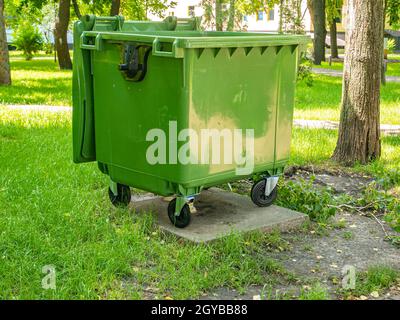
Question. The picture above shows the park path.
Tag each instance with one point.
(339, 73)
(299, 123)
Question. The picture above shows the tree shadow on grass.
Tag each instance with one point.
(38, 91)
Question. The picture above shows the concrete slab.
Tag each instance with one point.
(219, 213)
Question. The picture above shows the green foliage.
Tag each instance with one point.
(139, 9)
(332, 9)
(391, 45)
(28, 39)
(291, 16)
(304, 72)
(304, 197)
(229, 16)
(378, 201)
(393, 13)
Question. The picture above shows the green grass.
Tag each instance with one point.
(53, 212)
(37, 82)
(376, 278)
(393, 69)
(322, 100)
(315, 147)
(316, 292)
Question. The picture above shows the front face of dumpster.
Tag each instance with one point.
(172, 112)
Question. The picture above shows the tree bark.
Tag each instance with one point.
(333, 35)
(60, 35)
(115, 5)
(319, 31)
(232, 13)
(5, 76)
(359, 129)
(218, 15)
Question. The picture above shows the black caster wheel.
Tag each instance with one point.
(123, 198)
(258, 194)
(183, 219)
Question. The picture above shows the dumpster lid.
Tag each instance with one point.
(203, 39)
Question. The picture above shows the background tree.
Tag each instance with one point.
(332, 14)
(115, 5)
(232, 13)
(60, 34)
(319, 31)
(219, 18)
(139, 9)
(392, 13)
(28, 38)
(310, 7)
(359, 130)
(291, 16)
(5, 77)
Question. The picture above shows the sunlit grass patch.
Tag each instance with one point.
(37, 82)
(322, 100)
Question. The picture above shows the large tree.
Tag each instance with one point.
(5, 77)
(60, 35)
(359, 131)
(319, 31)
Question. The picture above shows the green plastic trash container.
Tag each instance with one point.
(166, 108)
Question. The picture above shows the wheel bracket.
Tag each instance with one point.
(270, 184)
(114, 187)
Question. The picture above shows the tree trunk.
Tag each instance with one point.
(60, 35)
(218, 15)
(5, 77)
(310, 7)
(232, 13)
(280, 16)
(115, 5)
(333, 35)
(319, 31)
(76, 9)
(359, 130)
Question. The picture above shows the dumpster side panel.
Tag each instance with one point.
(288, 69)
(232, 88)
(83, 109)
(127, 111)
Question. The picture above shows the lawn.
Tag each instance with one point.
(322, 100)
(393, 69)
(37, 82)
(53, 212)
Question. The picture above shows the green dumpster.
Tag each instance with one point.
(167, 108)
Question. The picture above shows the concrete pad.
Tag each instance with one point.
(219, 213)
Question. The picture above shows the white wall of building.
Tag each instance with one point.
(257, 22)
(263, 21)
